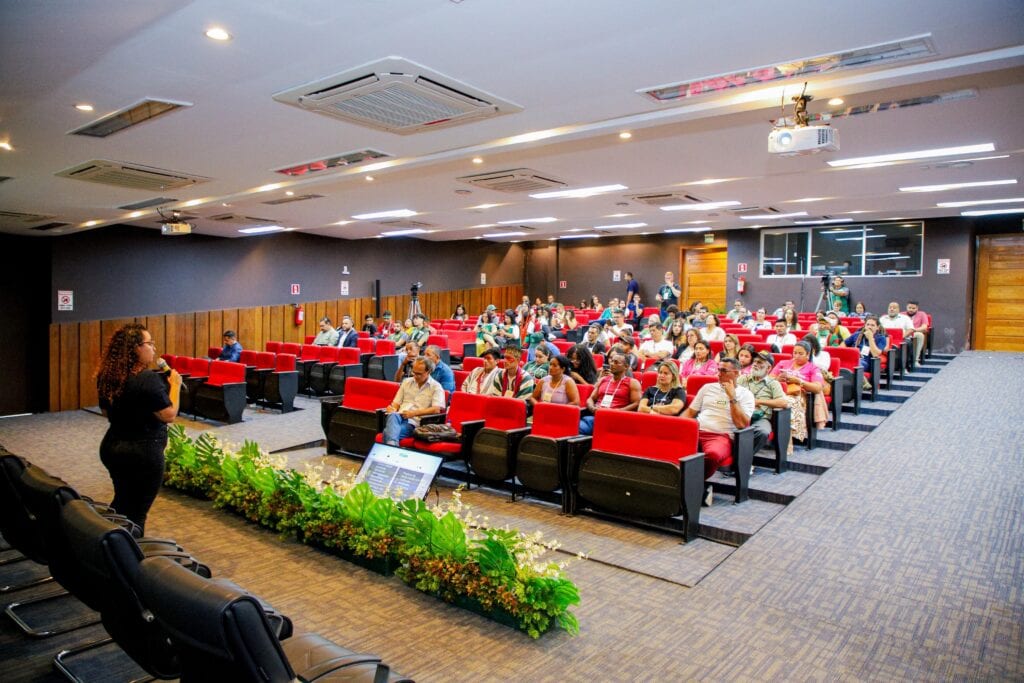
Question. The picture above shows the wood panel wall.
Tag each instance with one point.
(999, 294)
(75, 348)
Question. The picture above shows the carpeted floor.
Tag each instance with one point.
(903, 560)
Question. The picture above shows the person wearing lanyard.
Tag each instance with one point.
(481, 379)
(418, 395)
(557, 387)
(666, 397)
(615, 391)
(513, 382)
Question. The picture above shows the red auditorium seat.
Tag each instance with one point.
(492, 454)
(384, 363)
(319, 371)
(255, 377)
(585, 391)
(309, 339)
(852, 373)
(273, 346)
(281, 385)
(349, 365)
(542, 461)
(352, 423)
(466, 416)
(222, 396)
(213, 352)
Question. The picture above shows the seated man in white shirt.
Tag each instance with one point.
(738, 312)
(657, 346)
(721, 408)
(417, 396)
(759, 321)
(895, 320)
(619, 324)
(482, 379)
(782, 336)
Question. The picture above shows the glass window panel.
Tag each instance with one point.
(837, 250)
(784, 253)
(893, 248)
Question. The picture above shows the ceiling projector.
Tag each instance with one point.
(176, 228)
(803, 140)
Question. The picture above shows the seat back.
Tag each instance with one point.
(562, 345)
(644, 435)
(213, 351)
(182, 364)
(273, 346)
(284, 362)
(695, 382)
(20, 528)
(362, 393)
(346, 356)
(466, 407)
(169, 359)
(329, 354)
(292, 348)
(648, 379)
(460, 378)
(220, 632)
(895, 336)
(247, 357)
(848, 357)
(439, 340)
(365, 344)
(555, 420)
(585, 391)
(472, 363)
(310, 352)
(199, 367)
(309, 339)
(384, 347)
(265, 360)
(225, 372)
(504, 413)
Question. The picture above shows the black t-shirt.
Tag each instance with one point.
(131, 414)
(657, 397)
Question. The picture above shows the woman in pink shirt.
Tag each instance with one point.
(701, 363)
(799, 376)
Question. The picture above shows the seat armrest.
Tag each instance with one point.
(691, 492)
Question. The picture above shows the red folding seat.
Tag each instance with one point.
(472, 363)
(169, 359)
(222, 396)
(255, 376)
(492, 454)
(198, 371)
(460, 378)
(321, 369)
(309, 355)
(441, 342)
(749, 338)
(695, 382)
(585, 390)
(895, 356)
(309, 339)
(273, 346)
(648, 379)
(466, 416)
(352, 423)
(641, 466)
(349, 365)
(542, 461)
(761, 346)
(599, 361)
(384, 363)
(281, 385)
(853, 375)
(247, 357)
(213, 352)
(562, 345)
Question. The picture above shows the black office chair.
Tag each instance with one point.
(221, 633)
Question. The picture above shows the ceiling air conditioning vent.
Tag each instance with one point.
(752, 210)
(10, 217)
(131, 176)
(296, 198)
(238, 218)
(49, 226)
(405, 224)
(148, 203)
(133, 115)
(665, 199)
(517, 180)
(396, 95)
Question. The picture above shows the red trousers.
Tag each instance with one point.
(717, 451)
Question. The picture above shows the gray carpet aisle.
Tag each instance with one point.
(903, 560)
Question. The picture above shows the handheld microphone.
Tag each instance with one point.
(162, 366)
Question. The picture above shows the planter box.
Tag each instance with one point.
(385, 566)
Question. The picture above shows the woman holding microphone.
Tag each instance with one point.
(139, 403)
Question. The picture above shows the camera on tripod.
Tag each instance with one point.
(414, 288)
(826, 278)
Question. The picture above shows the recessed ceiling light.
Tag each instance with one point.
(704, 229)
(579, 236)
(369, 178)
(919, 154)
(856, 212)
(268, 188)
(484, 225)
(620, 225)
(545, 219)
(980, 202)
(193, 202)
(773, 216)
(504, 234)
(394, 213)
(709, 181)
(992, 212)
(399, 233)
(289, 193)
(485, 206)
(477, 160)
(262, 229)
(625, 135)
(807, 200)
(835, 101)
(579, 192)
(701, 206)
(217, 33)
(136, 214)
(6, 146)
(955, 186)
(877, 164)
(84, 107)
(619, 215)
(341, 223)
(89, 224)
(824, 221)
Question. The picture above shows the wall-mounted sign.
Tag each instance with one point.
(741, 267)
(563, 284)
(616, 276)
(942, 266)
(296, 289)
(65, 300)
(344, 287)
(483, 278)
(709, 238)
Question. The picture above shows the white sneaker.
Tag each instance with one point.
(709, 496)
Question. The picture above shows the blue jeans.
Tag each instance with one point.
(397, 428)
(587, 425)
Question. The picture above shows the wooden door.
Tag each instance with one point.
(703, 277)
(999, 294)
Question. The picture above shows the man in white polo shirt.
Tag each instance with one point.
(417, 396)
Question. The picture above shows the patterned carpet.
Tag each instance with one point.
(902, 558)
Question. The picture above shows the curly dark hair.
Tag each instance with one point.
(119, 360)
(587, 369)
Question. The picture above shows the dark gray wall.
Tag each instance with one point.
(587, 267)
(24, 318)
(123, 271)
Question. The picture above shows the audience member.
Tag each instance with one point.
(327, 336)
(595, 304)
(895, 320)
(582, 368)
(442, 373)
(792, 321)
(782, 336)
(870, 340)
(387, 326)
(712, 332)
(801, 377)
(919, 319)
(626, 347)
(369, 326)
(419, 332)
(481, 379)
(614, 391)
(860, 310)
(819, 356)
(746, 356)
(738, 313)
(666, 397)
(232, 350)
(730, 347)
(513, 381)
(700, 318)
(592, 340)
(685, 352)
(839, 293)
(768, 395)
(759, 321)
(701, 363)
(538, 364)
(787, 304)
(417, 396)
(657, 347)
(347, 335)
(676, 333)
(721, 409)
(406, 355)
(557, 386)
(668, 293)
